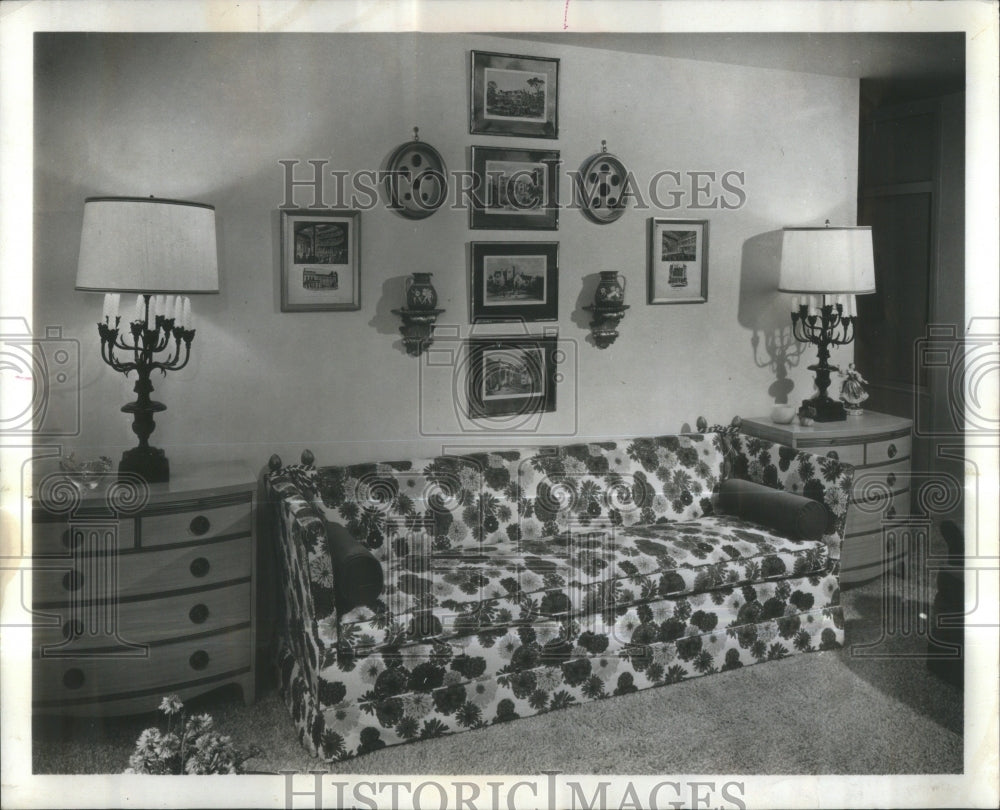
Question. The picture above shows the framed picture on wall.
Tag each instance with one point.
(320, 260)
(514, 95)
(515, 281)
(511, 375)
(515, 189)
(678, 261)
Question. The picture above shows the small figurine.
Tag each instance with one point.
(852, 394)
(807, 414)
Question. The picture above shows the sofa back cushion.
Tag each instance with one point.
(621, 483)
(484, 503)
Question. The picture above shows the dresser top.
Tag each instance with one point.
(193, 480)
(869, 423)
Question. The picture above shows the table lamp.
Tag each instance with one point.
(163, 251)
(825, 268)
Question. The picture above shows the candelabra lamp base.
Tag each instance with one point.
(827, 410)
(149, 463)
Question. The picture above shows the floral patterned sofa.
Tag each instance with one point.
(522, 581)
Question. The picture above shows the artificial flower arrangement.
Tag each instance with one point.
(190, 745)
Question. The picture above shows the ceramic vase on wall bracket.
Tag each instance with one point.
(608, 308)
(419, 314)
(420, 293)
(610, 291)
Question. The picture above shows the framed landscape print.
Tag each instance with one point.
(320, 260)
(511, 375)
(515, 189)
(514, 95)
(678, 261)
(515, 281)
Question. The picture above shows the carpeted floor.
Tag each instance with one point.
(832, 712)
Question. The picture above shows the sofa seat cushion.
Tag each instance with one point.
(603, 572)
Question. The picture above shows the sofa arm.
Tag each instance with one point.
(306, 582)
(821, 478)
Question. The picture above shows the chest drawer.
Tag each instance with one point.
(874, 481)
(868, 517)
(848, 453)
(198, 522)
(144, 573)
(168, 666)
(150, 621)
(888, 450)
(55, 539)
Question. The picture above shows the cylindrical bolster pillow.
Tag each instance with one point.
(357, 575)
(794, 516)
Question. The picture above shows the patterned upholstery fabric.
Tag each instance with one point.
(522, 582)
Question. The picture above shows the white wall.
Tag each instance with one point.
(207, 117)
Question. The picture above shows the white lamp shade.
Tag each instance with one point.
(827, 260)
(135, 244)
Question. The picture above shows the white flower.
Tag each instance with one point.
(320, 570)
(662, 611)
(171, 704)
(546, 632)
(342, 717)
(482, 692)
(370, 668)
(506, 645)
(691, 631)
(625, 625)
(418, 705)
(457, 532)
(664, 654)
(531, 528)
(470, 479)
(697, 599)
(452, 677)
(531, 582)
(549, 679)
(767, 632)
(836, 498)
(605, 667)
(660, 504)
(574, 466)
(495, 460)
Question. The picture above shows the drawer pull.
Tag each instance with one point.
(200, 567)
(891, 451)
(890, 479)
(198, 614)
(198, 660)
(73, 678)
(833, 454)
(200, 525)
(72, 581)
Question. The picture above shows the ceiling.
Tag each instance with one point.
(869, 55)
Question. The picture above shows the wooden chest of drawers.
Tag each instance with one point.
(138, 597)
(878, 446)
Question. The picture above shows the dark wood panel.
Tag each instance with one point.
(892, 319)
